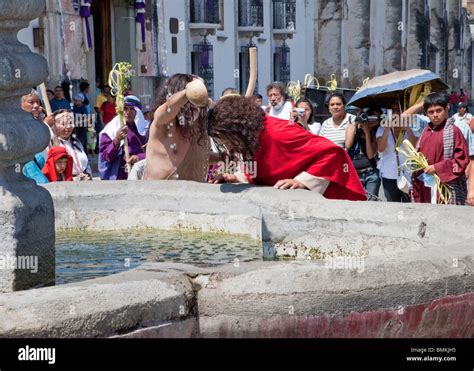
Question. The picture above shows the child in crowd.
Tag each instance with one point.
(446, 151)
(58, 167)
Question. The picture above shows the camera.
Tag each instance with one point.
(363, 118)
(300, 111)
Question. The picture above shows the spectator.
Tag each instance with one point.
(471, 125)
(334, 128)
(64, 132)
(278, 107)
(32, 169)
(58, 167)
(390, 161)
(462, 97)
(112, 163)
(108, 110)
(228, 91)
(81, 118)
(84, 89)
(453, 101)
(101, 98)
(446, 151)
(50, 94)
(303, 115)
(362, 148)
(463, 113)
(59, 102)
(258, 99)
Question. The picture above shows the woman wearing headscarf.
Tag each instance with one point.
(81, 169)
(112, 164)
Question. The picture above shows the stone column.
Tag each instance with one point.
(356, 40)
(328, 42)
(454, 73)
(26, 210)
(418, 35)
(439, 35)
(392, 56)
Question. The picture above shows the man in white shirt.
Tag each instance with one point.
(277, 106)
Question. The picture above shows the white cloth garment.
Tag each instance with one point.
(283, 113)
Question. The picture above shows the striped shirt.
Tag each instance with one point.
(336, 134)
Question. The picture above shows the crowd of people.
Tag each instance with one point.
(350, 155)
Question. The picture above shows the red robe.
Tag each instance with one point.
(431, 144)
(286, 150)
(49, 169)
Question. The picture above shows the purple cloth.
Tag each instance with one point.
(85, 12)
(140, 17)
(111, 155)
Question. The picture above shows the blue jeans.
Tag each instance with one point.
(371, 182)
(392, 193)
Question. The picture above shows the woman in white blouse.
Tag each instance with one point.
(334, 128)
(64, 128)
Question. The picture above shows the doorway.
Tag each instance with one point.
(101, 11)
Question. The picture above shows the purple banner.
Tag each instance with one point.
(85, 13)
(140, 16)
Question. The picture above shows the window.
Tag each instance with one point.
(284, 14)
(281, 64)
(205, 11)
(202, 64)
(250, 13)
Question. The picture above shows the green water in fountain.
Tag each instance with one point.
(86, 255)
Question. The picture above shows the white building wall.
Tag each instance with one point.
(25, 35)
(227, 44)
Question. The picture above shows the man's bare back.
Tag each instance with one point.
(169, 155)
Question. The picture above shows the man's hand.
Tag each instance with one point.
(121, 134)
(84, 176)
(267, 109)
(133, 159)
(224, 178)
(49, 120)
(430, 170)
(289, 184)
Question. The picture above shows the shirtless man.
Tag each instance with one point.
(178, 145)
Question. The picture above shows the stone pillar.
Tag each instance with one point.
(439, 36)
(356, 40)
(418, 35)
(26, 210)
(393, 36)
(454, 76)
(328, 42)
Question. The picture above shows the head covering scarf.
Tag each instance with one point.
(49, 169)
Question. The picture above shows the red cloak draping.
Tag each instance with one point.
(49, 169)
(286, 150)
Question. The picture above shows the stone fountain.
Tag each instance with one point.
(26, 210)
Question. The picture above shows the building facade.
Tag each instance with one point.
(356, 39)
(351, 39)
(211, 38)
(59, 35)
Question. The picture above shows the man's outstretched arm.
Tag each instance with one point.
(168, 111)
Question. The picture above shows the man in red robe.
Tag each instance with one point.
(446, 151)
(284, 155)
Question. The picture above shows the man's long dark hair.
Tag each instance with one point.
(239, 121)
(189, 128)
